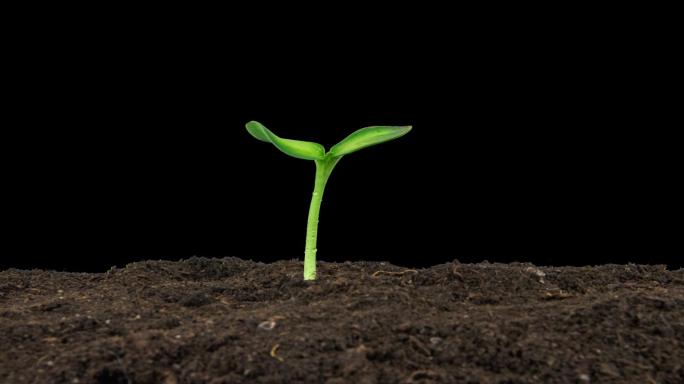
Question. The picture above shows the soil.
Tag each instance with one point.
(235, 321)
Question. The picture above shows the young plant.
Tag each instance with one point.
(325, 162)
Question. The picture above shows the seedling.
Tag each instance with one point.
(325, 162)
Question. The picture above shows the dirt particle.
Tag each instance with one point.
(556, 294)
(267, 325)
(336, 380)
(169, 378)
(166, 323)
(274, 353)
(536, 271)
(609, 369)
(50, 306)
(421, 375)
(196, 300)
(403, 327)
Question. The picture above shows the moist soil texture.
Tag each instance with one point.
(235, 321)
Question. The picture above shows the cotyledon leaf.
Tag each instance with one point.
(306, 150)
(365, 137)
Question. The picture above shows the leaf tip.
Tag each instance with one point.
(404, 129)
(253, 124)
(258, 130)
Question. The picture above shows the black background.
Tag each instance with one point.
(555, 150)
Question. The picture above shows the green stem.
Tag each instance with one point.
(323, 169)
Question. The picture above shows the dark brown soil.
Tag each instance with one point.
(234, 321)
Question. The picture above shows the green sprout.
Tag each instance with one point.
(325, 162)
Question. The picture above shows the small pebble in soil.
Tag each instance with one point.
(267, 325)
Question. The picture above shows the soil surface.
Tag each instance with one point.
(234, 321)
